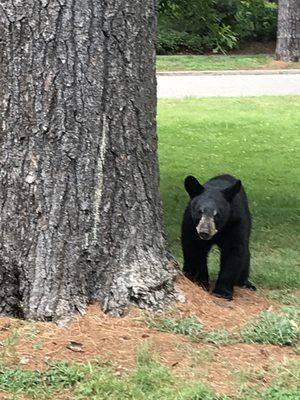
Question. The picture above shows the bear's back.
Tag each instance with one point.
(239, 205)
(221, 181)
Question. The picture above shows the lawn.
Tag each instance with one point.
(220, 62)
(255, 139)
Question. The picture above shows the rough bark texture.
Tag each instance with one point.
(288, 32)
(81, 216)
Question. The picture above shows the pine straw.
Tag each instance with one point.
(218, 313)
(117, 339)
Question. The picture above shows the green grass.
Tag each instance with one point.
(219, 62)
(38, 384)
(273, 328)
(218, 337)
(255, 139)
(284, 381)
(148, 380)
(276, 392)
(270, 328)
(285, 296)
(188, 326)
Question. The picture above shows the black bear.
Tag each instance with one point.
(217, 214)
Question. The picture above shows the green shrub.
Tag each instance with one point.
(171, 41)
(256, 20)
(223, 38)
(213, 25)
(218, 39)
(192, 25)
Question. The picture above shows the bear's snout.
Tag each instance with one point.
(206, 228)
(204, 235)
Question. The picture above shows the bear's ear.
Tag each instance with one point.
(193, 186)
(232, 190)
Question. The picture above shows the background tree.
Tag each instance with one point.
(288, 32)
(81, 215)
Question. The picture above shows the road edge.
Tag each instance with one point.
(232, 72)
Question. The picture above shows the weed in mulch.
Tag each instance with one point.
(287, 297)
(220, 337)
(274, 328)
(189, 326)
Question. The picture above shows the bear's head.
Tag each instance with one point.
(210, 207)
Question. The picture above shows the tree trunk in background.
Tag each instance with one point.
(81, 215)
(288, 31)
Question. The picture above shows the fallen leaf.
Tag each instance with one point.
(75, 346)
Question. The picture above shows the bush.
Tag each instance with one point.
(218, 40)
(171, 41)
(256, 20)
(213, 25)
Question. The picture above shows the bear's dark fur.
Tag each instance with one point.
(217, 214)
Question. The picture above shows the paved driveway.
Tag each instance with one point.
(177, 86)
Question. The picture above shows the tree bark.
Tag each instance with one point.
(81, 215)
(288, 31)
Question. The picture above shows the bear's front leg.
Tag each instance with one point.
(194, 253)
(195, 268)
(231, 259)
(202, 277)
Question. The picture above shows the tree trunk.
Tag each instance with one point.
(288, 31)
(81, 215)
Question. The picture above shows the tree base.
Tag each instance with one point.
(154, 291)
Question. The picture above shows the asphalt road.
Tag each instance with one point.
(177, 86)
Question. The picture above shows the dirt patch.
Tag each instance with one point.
(96, 335)
(274, 64)
(243, 49)
(255, 48)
